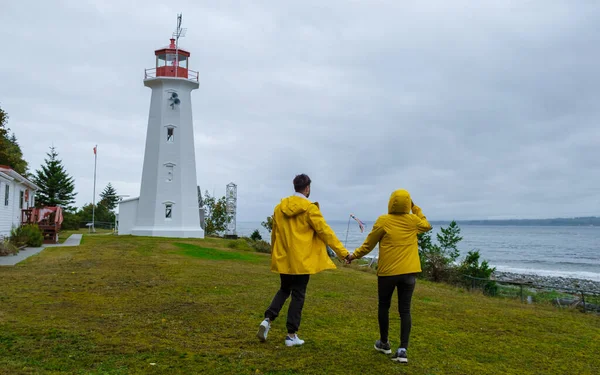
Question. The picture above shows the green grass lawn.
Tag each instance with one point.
(126, 305)
(64, 234)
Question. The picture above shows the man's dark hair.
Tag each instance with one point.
(301, 181)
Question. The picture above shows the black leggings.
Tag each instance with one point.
(385, 288)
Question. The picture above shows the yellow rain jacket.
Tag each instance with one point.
(299, 236)
(396, 234)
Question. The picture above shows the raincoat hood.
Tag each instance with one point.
(396, 233)
(294, 205)
(400, 202)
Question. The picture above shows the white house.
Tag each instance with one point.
(16, 193)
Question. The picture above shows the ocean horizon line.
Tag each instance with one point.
(591, 221)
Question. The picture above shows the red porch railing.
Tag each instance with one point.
(48, 219)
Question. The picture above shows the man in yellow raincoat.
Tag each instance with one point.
(298, 240)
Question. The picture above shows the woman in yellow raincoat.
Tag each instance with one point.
(397, 266)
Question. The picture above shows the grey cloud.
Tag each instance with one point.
(479, 109)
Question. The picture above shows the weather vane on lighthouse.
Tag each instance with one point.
(179, 33)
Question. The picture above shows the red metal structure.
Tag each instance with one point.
(48, 219)
(172, 61)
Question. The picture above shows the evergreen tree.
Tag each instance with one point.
(3, 121)
(448, 239)
(437, 260)
(56, 186)
(256, 235)
(109, 197)
(16, 156)
(10, 151)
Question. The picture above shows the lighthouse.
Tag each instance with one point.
(168, 202)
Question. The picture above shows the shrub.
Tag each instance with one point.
(29, 234)
(471, 267)
(17, 237)
(248, 244)
(7, 248)
(261, 246)
(35, 237)
(437, 260)
(255, 236)
(70, 221)
(239, 244)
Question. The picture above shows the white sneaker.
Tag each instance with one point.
(289, 341)
(400, 356)
(263, 330)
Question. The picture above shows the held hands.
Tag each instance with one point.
(349, 258)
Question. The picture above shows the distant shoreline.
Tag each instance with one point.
(588, 221)
(558, 222)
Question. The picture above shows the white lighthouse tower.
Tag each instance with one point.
(168, 201)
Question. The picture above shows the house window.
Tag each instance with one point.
(170, 134)
(21, 198)
(6, 194)
(168, 211)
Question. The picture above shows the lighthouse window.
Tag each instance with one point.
(168, 210)
(169, 173)
(183, 61)
(170, 134)
(171, 57)
(161, 60)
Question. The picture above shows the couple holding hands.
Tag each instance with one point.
(298, 240)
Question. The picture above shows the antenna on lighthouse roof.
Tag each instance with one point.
(179, 32)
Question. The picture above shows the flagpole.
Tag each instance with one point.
(347, 229)
(94, 197)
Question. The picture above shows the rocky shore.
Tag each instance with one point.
(552, 282)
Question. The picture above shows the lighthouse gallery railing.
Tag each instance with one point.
(151, 73)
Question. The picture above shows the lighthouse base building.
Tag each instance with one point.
(168, 202)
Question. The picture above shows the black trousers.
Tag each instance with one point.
(296, 286)
(385, 288)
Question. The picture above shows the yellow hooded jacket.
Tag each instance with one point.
(396, 234)
(299, 236)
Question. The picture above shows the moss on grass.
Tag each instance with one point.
(130, 305)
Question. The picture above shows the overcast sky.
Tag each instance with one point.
(481, 109)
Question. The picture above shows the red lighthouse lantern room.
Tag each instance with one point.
(172, 61)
